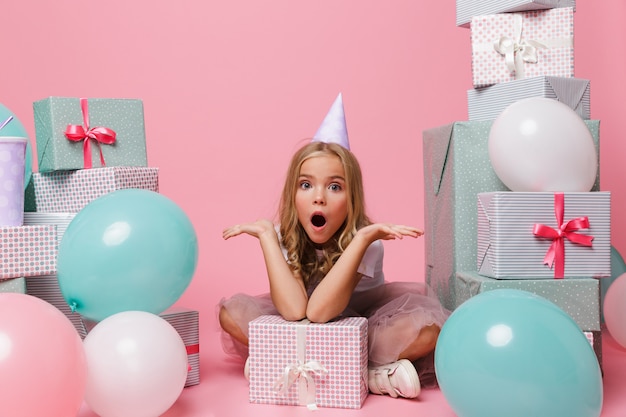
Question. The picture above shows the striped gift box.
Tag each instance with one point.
(466, 9)
(310, 364)
(186, 323)
(487, 103)
(510, 46)
(71, 191)
(508, 248)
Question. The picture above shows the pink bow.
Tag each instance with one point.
(85, 133)
(556, 253)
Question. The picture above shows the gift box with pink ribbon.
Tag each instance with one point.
(70, 191)
(510, 46)
(308, 364)
(544, 234)
(27, 251)
(76, 133)
(466, 9)
(186, 322)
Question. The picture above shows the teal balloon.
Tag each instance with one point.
(618, 267)
(128, 250)
(512, 353)
(16, 128)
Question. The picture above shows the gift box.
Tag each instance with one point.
(186, 323)
(487, 103)
(27, 251)
(456, 169)
(578, 297)
(510, 46)
(76, 133)
(466, 9)
(312, 364)
(15, 285)
(529, 235)
(70, 191)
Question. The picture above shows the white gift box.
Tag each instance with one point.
(487, 103)
(310, 364)
(520, 236)
(510, 46)
(466, 9)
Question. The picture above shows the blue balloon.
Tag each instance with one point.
(512, 353)
(16, 128)
(618, 267)
(128, 250)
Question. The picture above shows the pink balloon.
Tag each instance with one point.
(42, 360)
(615, 309)
(540, 144)
(137, 365)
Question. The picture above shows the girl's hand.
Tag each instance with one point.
(389, 231)
(256, 229)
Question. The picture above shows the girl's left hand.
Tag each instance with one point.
(389, 231)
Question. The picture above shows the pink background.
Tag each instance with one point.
(231, 88)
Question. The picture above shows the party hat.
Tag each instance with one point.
(333, 127)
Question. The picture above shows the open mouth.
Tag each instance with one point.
(318, 220)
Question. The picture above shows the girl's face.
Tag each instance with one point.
(321, 198)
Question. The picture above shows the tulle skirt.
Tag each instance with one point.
(396, 312)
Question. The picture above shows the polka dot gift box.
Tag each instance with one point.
(76, 133)
(27, 251)
(510, 46)
(308, 364)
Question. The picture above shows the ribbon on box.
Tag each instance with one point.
(517, 51)
(301, 371)
(85, 133)
(555, 256)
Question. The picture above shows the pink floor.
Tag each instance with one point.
(223, 391)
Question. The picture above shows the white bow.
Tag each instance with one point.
(516, 50)
(306, 371)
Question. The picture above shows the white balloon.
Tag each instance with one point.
(540, 144)
(615, 309)
(136, 365)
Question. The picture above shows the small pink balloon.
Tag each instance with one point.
(615, 309)
(541, 144)
(42, 360)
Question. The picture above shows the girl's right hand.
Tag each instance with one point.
(256, 229)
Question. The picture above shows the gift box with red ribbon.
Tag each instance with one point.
(186, 323)
(77, 133)
(544, 234)
(510, 46)
(70, 191)
(27, 251)
(308, 364)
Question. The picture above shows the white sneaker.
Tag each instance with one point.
(395, 379)
(246, 369)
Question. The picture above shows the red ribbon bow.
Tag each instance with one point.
(556, 253)
(77, 133)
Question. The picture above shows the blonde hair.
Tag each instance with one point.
(301, 253)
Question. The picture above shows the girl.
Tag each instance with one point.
(325, 259)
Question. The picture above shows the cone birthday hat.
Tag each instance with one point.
(333, 127)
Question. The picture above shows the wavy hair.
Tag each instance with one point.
(301, 251)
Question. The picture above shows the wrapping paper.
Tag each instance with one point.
(466, 9)
(54, 116)
(508, 248)
(71, 191)
(487, 103)
(509, 46)
(456, 169)
(16, 285)
(308, 364)
(27, 251)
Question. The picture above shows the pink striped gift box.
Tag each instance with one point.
(186, 323)
(518, 234)
(308, 364)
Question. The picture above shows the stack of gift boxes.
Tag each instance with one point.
(480, 233)
(87, 148)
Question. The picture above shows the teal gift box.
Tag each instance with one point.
(76, 133)
(456, 169)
